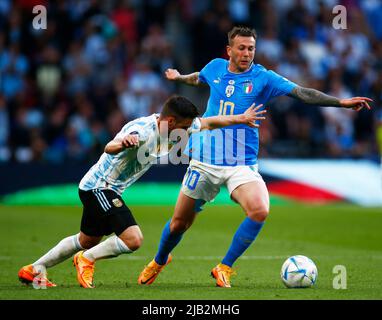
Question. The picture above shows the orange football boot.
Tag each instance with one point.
(151, 271)
(222, 273)
(85, 270)
(28, 275)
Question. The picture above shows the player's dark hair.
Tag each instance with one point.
(241, 31)
(179, 107)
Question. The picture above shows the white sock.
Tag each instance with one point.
(110, 248)
(62, 251)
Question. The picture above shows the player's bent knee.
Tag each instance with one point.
(132, 237)
(258, 214)
(88, 242)
(134, 242)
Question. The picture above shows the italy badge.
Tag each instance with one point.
(248, 86)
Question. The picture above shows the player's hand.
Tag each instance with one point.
(172, 74)
(356, 103)
(252, 114)
(130, 141)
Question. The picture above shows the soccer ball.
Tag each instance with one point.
(299, 272)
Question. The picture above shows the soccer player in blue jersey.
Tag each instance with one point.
(229, 155)
(126, 158)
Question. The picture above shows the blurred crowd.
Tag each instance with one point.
(65, 91)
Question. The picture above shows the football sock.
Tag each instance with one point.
(244, 236)
(62, 251)
(110, 248)
(168, 242)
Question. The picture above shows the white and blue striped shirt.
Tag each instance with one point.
(119, 171)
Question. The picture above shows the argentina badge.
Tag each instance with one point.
(117, 203)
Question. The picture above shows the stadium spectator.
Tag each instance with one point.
(13, 67)
(77, 69)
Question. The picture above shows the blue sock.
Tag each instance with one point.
(168, 242)
(244, 236)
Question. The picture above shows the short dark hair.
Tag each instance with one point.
(179, 107)
(241, 31)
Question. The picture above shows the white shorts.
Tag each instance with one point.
(202, 181)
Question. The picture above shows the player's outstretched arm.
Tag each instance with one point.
(119, 144)
(190, 79)
(313, 96)
(249, 118)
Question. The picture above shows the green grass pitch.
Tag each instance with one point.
(330, 235)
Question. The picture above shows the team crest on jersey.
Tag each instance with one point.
(117, 203)
(229, 90)
(248, 86)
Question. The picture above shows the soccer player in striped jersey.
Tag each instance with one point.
(126, 158)
(233, 84)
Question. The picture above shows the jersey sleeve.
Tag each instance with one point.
(131, 129)
(206, 75)
(195, 126)
(278, 85)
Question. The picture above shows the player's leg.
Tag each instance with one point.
(87, 242)
(184, 216)
(127, 242)
(254, 199)
(66, 248)
(198, 186)
(36, 272)
(116, 218)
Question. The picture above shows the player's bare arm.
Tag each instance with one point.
(249, 117)
(119, 144)
(313, 96)
(190, 79)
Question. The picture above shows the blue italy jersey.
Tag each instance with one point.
(233, 93)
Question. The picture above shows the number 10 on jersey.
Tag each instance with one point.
(192, 179)
(226, 108)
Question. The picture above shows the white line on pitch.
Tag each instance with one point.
(130, 257)
(5, 258)
(210, 258)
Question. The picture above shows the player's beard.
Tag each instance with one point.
(240, 67)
